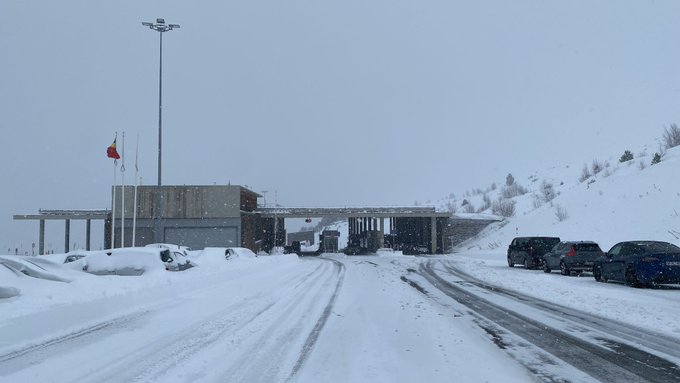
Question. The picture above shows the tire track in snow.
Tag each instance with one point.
(636, 335)
(604, 364)
(314, 335)
(149, 360)
(152, 362)
(274, 349)
(33, 354)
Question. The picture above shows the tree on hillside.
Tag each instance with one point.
(656, 159)
(509, 180)
(626, 156)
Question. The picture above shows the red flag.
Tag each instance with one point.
(111, 151)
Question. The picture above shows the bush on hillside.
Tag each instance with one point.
(503, 207)
(626, 156)
(547, 191)
(585, 173)
(671, 136)
(513, 190)
(597, 167)
(561, 213)
(656, 159)
(486, 203)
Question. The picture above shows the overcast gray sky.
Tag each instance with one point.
(380, 102)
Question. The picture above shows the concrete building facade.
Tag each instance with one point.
(191, 215)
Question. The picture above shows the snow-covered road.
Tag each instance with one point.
(331, 319)
(250, 327)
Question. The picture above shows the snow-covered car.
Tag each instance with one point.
(35, 267)
(172, 247)
(134, 261)
(639, 263)
(76, 255)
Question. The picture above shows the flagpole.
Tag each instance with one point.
(113, 206)
(122, 196)
(134, 210)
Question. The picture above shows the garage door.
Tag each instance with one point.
(201, 237)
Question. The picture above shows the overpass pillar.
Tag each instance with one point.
(67, 234)
(41, 238)
(87, 234)
(433, 235)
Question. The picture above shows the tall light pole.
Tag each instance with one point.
(160, 27)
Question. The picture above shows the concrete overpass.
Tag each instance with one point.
(412, 225)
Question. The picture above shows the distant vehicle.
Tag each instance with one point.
(529, 251)
(639, 263)
(134, 261)
(570, 256)
(415, 250)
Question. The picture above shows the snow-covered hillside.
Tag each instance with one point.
(633, 200)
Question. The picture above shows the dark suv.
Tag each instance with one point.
(529, 251)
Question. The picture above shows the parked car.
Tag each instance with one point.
(75, 255)
(134, 261)
(639, 263)
(172, 247)
(570, 256)
(529, 251)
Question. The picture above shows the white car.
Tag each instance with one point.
(134, 261)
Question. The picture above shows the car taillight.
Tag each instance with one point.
(571, 252)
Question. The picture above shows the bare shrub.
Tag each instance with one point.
(585, 173)
(597, 167)
(561, 213)
(468, 208)
(547, 191)
(503, 207)
(513, 190)
(642, 165)
(671, 136)
(656, 159)
(538, 201)
(486, 203)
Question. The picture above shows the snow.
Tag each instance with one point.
(335, 317)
